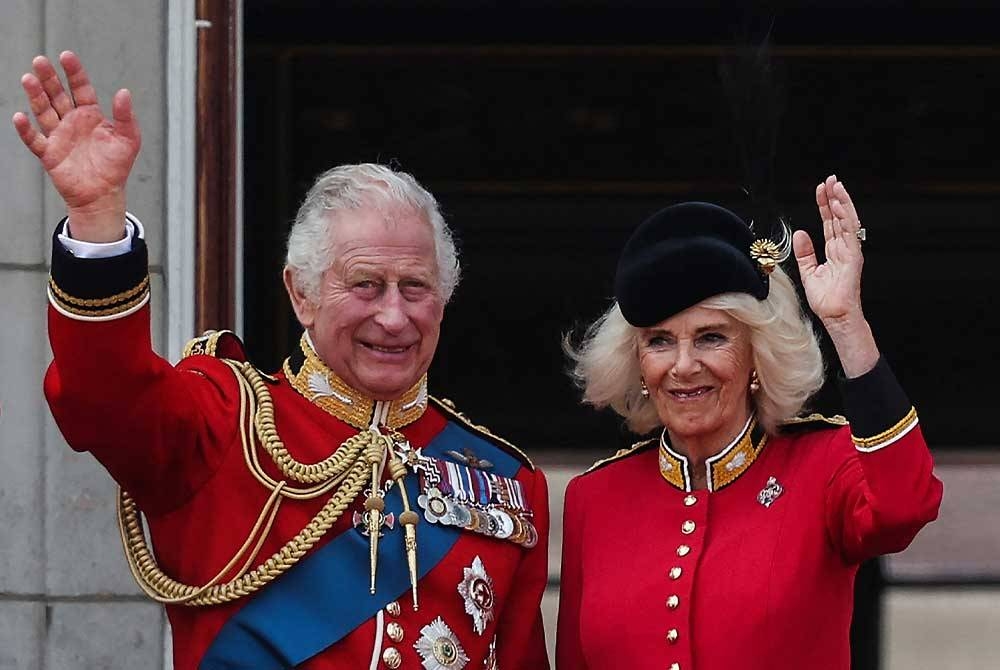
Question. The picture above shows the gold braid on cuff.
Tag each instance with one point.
(885, 436)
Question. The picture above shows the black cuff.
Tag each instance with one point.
(874, 402)
(98, 287)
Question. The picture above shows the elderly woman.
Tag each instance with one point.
(732, 538)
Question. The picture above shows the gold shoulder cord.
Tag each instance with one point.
(347, 469)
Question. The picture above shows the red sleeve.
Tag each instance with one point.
(877, 501)
(569, 654)
(884, 489)
(520, 633)
(160, 431)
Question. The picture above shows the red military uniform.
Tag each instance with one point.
(757, 572)
(173, 438)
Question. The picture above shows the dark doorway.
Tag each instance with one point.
(548, 135)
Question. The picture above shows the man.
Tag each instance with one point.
(333, 515)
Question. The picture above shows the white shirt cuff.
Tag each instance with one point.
(82, 249)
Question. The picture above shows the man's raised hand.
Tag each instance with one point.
(87, 155)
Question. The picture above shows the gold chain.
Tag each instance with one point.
(347, 467)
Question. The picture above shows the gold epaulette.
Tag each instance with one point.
(813, 422)
(448, 408)
(218, 344)
(622, 453)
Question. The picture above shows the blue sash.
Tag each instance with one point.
(325, 596)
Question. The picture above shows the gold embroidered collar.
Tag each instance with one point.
(317, 383)
(722, 469)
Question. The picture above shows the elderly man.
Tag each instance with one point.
(333, 515)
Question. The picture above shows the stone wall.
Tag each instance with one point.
(66, 597)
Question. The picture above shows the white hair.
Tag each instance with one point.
(352, 187)
(786, 356)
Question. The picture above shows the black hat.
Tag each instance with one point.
(682, 255)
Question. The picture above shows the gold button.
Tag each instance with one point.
(675, 666)
(672, 635)
(683, 550)
(392, 658)
(395, 631)
(393, 608)
(673, 602)
(689, 501)
(688, 527)
(675, 573)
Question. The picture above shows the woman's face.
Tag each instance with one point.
(697, 366)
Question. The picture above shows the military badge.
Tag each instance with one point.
(439, 648)
(476, 589)
(468, 456)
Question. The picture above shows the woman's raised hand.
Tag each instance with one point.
(833, 288)
(87, 155)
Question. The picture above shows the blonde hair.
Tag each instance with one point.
(786, 355)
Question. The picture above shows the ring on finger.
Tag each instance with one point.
(862, 234)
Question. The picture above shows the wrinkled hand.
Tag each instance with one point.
(833, 289)
(87, 156)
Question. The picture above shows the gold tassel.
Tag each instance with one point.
(409, 520)
(374, 505)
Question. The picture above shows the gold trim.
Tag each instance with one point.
(319, 385)
(357, 452)
(118, 309)
(448, 407)
(835, 420)
(895, 431)
(728, 470)
(98, 302)
(722, 469)
(672, 469)
(621, 453)
(207, 344)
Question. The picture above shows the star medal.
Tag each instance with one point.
(439, 648)
(476, 589)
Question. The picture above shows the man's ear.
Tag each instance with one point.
(305, 308)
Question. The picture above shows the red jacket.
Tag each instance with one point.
(756, 574)
(169, 436)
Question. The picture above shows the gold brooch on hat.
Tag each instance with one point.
(767, 254)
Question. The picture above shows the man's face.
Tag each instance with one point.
(377, 318)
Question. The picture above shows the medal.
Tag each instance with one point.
(439, 648)
(476, 589)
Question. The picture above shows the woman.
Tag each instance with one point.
(732, 539)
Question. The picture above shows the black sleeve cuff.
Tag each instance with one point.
(874, 402)
(98, 287)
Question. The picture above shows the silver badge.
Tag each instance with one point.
(771, 491)
(476, 589)
(439, 648)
